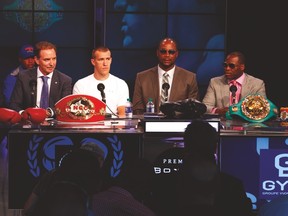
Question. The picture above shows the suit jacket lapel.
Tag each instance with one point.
(225, 92)
(174, 84)
(54, 87)
(154, 79)
(33, 74)
(245, 90)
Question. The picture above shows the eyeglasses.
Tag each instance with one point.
(171, 52)
(231, 65)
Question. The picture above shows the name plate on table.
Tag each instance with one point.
(80, 108)
(173, 126)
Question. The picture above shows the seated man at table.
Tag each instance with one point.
(103, 85)
(220, 95)
(180, 83)
(42, 86)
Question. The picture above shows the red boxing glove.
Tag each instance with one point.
(35, 115)
(9, 116)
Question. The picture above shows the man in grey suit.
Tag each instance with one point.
(148, 83)
(219, 91)
(27, 91)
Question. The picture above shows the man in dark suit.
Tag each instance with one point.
(26, 61)
(28, 88)
(148, 83)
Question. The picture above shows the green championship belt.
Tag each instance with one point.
(253, 108)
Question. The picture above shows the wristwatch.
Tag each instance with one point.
(253, 108)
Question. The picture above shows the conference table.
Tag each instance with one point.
(257, 153)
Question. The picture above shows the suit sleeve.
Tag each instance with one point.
(193, 93)
(209, 99)
(138, 106)
(262, 89)
(59, 91)
(67, 87)
(17, 97)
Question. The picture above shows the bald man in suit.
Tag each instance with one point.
(217, 97)
(27, 91)
(148, 83)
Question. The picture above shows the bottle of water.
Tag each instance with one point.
(150, 108)
(128, 109)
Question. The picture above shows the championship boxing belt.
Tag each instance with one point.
(253, 108)
(80, 108)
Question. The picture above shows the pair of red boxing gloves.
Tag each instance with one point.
(32, 114)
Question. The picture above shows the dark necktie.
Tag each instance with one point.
(44, 101)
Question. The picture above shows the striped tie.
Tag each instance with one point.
(164, 97)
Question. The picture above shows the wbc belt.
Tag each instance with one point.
(253, 108)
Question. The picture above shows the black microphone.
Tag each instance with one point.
(233, 90)
(33, 86)
(166, 87)
(101, 88)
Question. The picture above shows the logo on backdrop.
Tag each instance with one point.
(44, 151)
(273, 173)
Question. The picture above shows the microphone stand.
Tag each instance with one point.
(101, 88)
(233, 90)
(33, 100)
(166, 87)
(233, 98)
